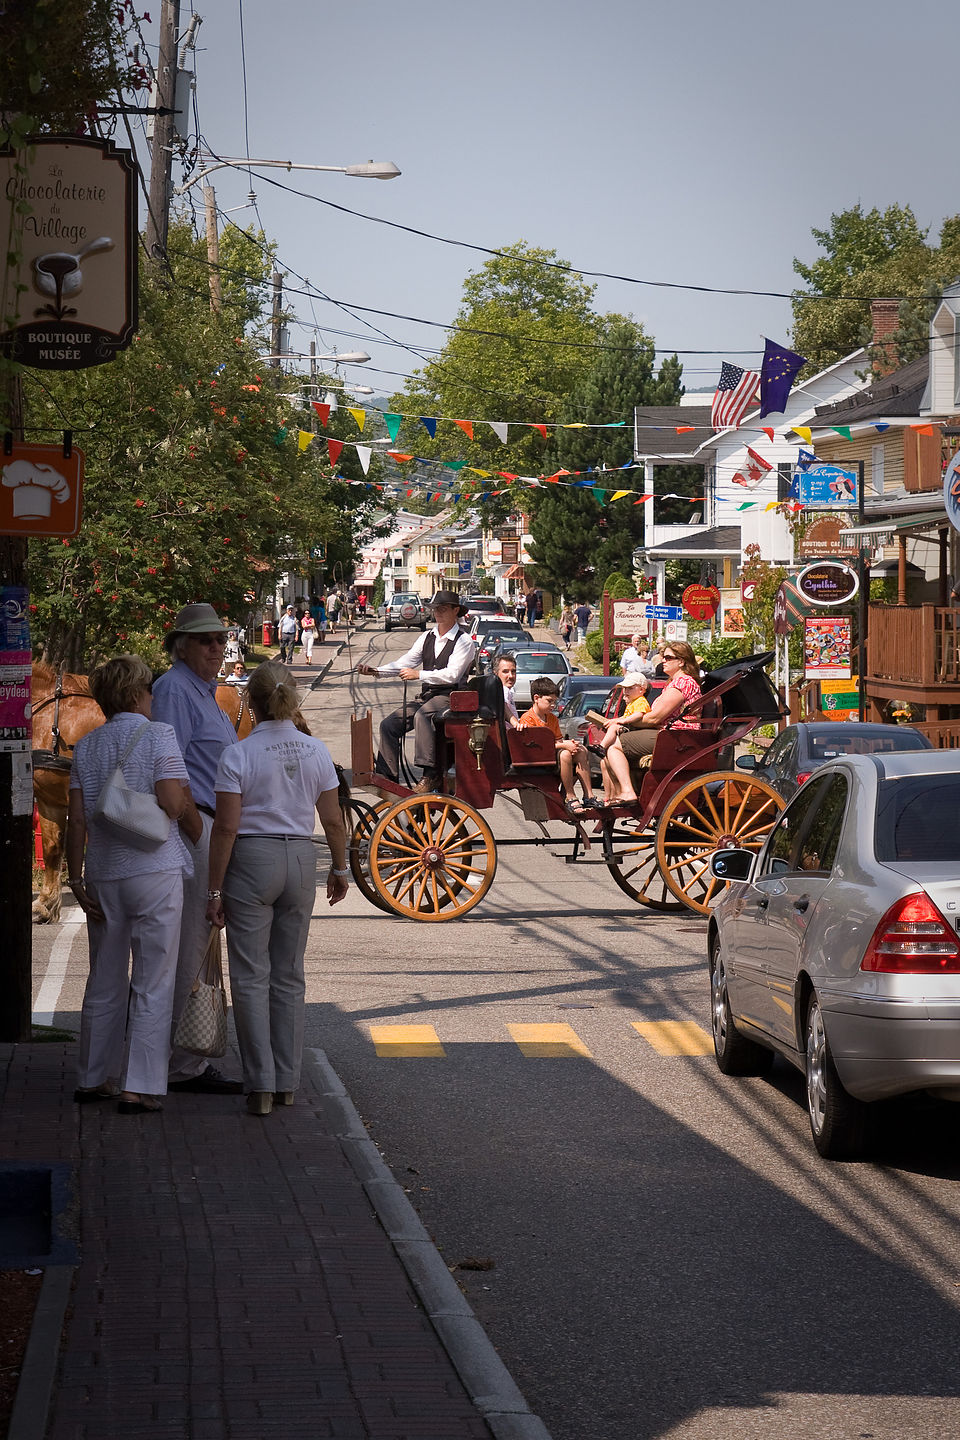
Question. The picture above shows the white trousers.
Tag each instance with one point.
(268, 897)
(194, 930)
(125, 1020)
(308, 638)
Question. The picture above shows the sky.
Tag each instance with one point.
(693, 143)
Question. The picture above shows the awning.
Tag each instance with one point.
(894, 525)
(516, 572)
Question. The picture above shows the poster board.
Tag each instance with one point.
(826, 647)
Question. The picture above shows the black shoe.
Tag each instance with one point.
(210, 1082)
(597, 750)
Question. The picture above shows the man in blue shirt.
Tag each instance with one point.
(186, 698)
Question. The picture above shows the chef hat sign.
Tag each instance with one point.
(40, 490)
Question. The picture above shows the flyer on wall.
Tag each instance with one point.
(826, 647)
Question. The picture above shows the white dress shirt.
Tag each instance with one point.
(509, 704)
(456, 668)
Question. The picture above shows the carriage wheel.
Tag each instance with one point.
(712, 812)
(639, 875)
(432, 858)
(361, 820)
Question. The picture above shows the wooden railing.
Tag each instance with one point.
(918, 644)
(942, 734)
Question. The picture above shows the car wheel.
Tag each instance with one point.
(838, 1122)
(735, 1054)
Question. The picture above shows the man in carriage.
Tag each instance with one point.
(440, 658)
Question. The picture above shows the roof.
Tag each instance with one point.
(896, 394)
(662, 441)
(718, 540)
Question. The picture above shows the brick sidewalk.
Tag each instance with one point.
(234, 1281)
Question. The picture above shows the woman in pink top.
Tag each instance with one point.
(682, 689)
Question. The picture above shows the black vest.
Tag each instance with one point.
(433, 659)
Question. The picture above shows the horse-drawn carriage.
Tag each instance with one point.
(433, 857)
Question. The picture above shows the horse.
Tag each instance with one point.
(64, 711)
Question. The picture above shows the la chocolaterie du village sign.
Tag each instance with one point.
(73, 201)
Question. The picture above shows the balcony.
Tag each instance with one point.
(913, 651)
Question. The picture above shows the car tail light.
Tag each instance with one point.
(913, 938)
(803, 775)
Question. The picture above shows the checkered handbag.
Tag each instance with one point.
(202, 1028)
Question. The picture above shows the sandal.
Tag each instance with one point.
(574, 808)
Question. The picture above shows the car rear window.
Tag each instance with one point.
(540, 664)
(917, 818)
(828, 747)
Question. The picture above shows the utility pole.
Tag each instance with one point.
(213, 249)
(275, 326)
(161, 153)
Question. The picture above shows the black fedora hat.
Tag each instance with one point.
(449, 597)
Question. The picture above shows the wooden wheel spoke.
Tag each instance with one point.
(395, 846)
(467, 858)
(748, 809)
(707, 799)
(451, 894)
(706, 834)
(400, 894)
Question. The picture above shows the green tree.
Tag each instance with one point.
(873, 254)
(577, 535)
(195, 485)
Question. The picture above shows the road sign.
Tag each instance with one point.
(663, 612)
(40, 490)
(675, 630)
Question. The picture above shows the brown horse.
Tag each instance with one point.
(62, 713)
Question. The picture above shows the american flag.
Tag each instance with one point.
(736, 392)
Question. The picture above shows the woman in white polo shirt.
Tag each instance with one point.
(263, 879)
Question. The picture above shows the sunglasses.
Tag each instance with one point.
(209, 639)
(669, 655)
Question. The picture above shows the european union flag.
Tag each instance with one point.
(776, 376)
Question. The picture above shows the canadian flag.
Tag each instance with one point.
(753, 471)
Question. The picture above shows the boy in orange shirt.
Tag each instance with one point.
(571, 756)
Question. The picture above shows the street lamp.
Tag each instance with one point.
(370, 170)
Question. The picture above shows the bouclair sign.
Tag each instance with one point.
(75, 231)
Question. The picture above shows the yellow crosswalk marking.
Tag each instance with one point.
(674, 1037)
(396, 1041)
(548, 1040)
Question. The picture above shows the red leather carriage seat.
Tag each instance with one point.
(532, 746)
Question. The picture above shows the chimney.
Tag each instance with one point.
(885, 318)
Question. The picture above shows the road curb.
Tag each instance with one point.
(486, 1379)
(31, 1406)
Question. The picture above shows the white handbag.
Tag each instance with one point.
(131, 816)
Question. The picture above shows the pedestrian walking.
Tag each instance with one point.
(132, 897)
(308, 634)
(530, 601)
(186, 698)
(520, 608)
(362, 604)
(263, 879)
(287, 634)
(582, 615)
(333, 611)
(567, 623)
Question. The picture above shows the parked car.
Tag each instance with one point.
(508, 644)
(837, 947)
(799, 750)
(484, 605)
(405, 608)
(493, 637)
(481, 624)
(583, 680)
(572, 715)
(533, 661)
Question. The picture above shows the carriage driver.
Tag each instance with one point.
(440, 659)
(186, 698)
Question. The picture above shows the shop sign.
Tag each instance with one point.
(826, 647)
(509, 552)
(781, 620)
(826, 537)
(75, 228)
(828, 583)
(824, 486)
(701, 601)
(15, 663)
(629, 618)
(840, 699)
(41, 489)
(733, 621)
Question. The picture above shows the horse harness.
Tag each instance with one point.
(53, 759)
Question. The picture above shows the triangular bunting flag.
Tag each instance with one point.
(617, 493)
(393, 423)
(768, 431)
(363, 455)
(920, 429)
(880, 428)
(541, 428)
(360, 416)
(484, 473)
(323, 411)
(681, 429)
(499, 428)
(280, 436)
(334, 447)
(505, 475)
(601, 496)
(303, 439)
(466, 426)
(454, 464)
(429, 424)
(574, 425)
(400, 459)
(843, 430)
(804, 432)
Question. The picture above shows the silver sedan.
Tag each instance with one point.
(838, 946)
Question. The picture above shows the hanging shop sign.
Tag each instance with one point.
(74, 231)
(41, 489)
(782, 624)
(951, 491)
(828, 583)
(701, 601)
(733, 620)
(630, 618)
(826, 537)
(840, 699)
(824, 486)
(826, 647)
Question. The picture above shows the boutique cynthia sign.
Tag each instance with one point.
(75, 239)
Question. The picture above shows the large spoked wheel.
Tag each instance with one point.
(838, 1122)
(432, 858)
(361, 821)
(719, 811)
(639, 875)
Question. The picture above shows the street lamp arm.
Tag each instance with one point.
(371, 170)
